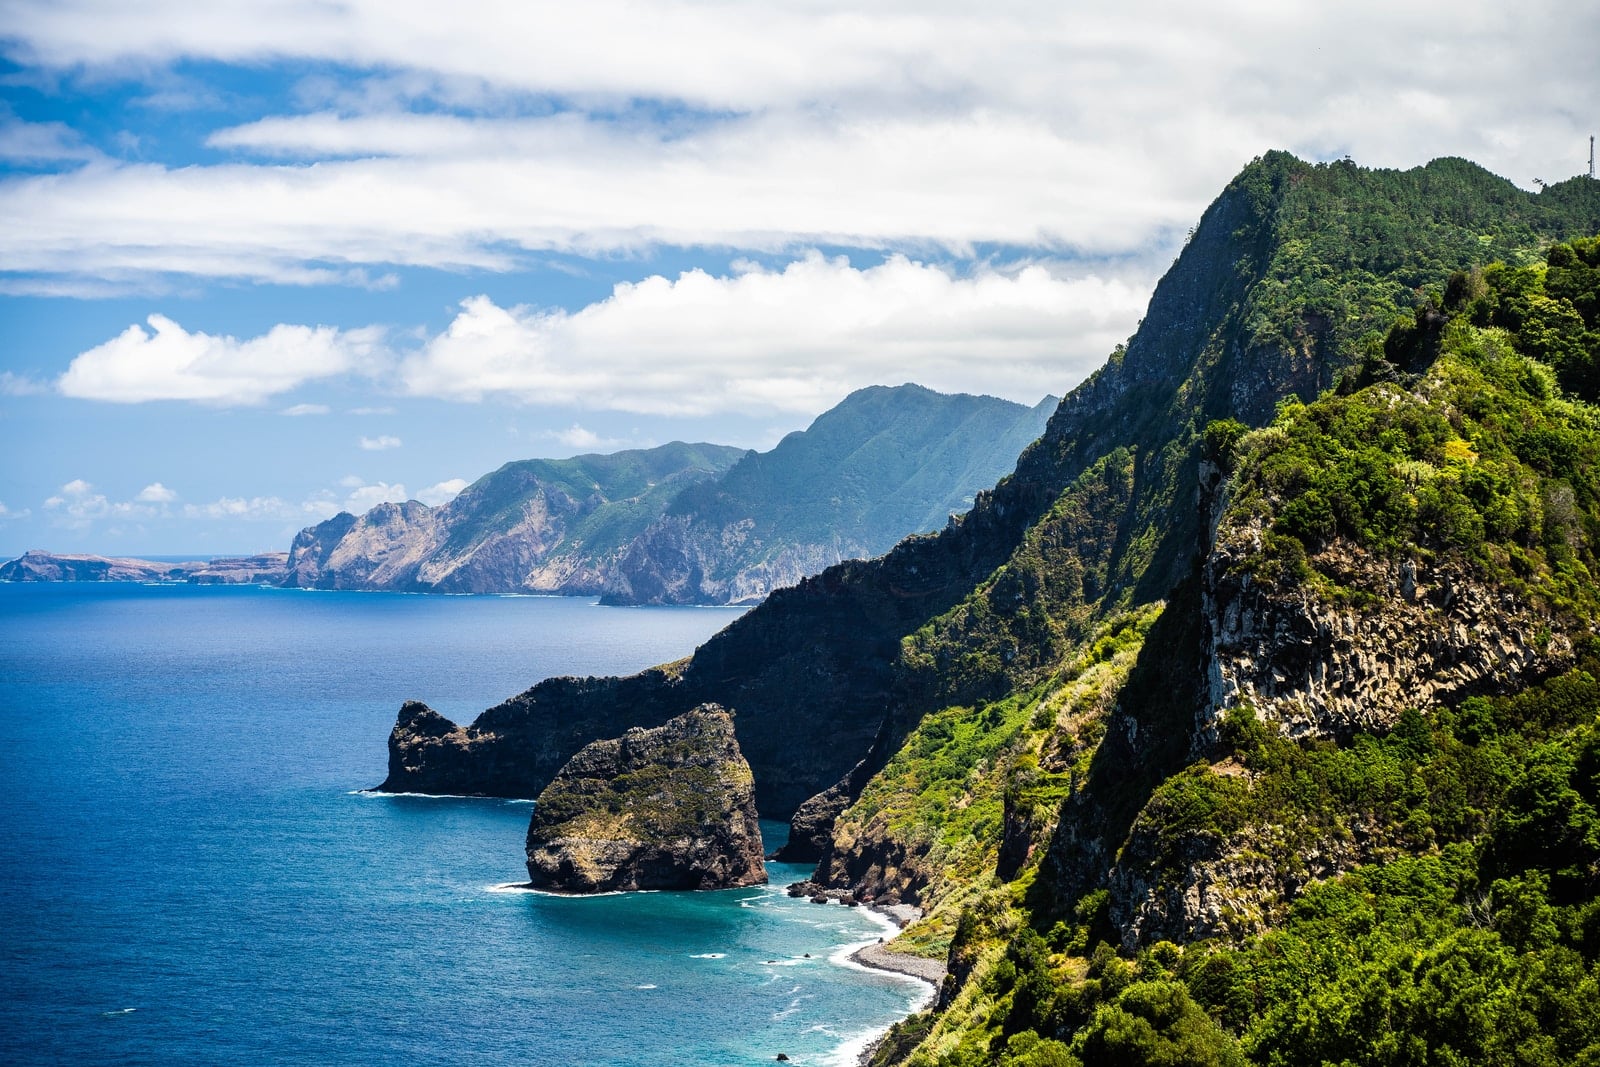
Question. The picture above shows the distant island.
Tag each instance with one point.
(268, 568)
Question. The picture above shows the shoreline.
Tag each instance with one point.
(880, 957)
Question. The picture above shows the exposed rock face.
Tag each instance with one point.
(1432, 635)
(1216, 886)
(668, 808)
(35, 566)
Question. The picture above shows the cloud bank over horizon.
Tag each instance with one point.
(793, 340)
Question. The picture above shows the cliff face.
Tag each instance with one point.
(667, 808)
(1425, 633)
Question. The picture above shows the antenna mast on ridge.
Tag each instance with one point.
(1591, 155)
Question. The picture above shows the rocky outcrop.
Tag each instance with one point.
(515, 749)
(667, 808)
(1211, 886)
(266, 569)
(1422, 634)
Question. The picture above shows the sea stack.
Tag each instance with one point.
(667, 808)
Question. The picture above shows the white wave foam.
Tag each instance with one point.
(519, 887)
(119, 1011)
(435, 796)
(646, 986)
(708, 956)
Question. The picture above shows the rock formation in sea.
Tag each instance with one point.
(667, 808)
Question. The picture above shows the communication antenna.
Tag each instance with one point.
(1591, 155)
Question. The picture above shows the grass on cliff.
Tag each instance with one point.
(945, 797)
(1475, 937)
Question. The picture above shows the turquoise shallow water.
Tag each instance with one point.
(190, 875)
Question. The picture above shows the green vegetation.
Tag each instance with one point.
(1472, 936)
(1477, 453)
(968, 775)
(883, 464)
(1426, 895)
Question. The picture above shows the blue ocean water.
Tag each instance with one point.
(188, 873)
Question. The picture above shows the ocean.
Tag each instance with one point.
(191, 874)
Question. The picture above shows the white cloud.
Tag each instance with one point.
(77, 506)
(770, 126)
(156, 493)
(20, 385)
(171, 363)
(7, 514)
(305, 409)
(576, 436)
(443, 492)
(260, 509)
(796, 339)
(365, 497)
(41, 142)
(379, 443)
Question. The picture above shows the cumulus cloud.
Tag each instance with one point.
(156, 493)
(305, 409)
(78, 506)
(365, 497)
(170, 363)
(792, 339)
(380, 443)
(263, 509)
(576, 436)
(442, 492)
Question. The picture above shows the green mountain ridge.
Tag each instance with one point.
(883, 464)
(1148, 766)
(681, 523)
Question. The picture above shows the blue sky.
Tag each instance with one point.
(262, 261)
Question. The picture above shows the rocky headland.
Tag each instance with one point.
(666, 808)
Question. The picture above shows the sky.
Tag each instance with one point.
(265, 260)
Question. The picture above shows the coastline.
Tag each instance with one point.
(878, 956)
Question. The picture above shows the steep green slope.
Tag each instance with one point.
(1302, 830)
(881, 465)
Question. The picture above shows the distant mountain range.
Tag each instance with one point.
(688, 524)
(677, 524)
